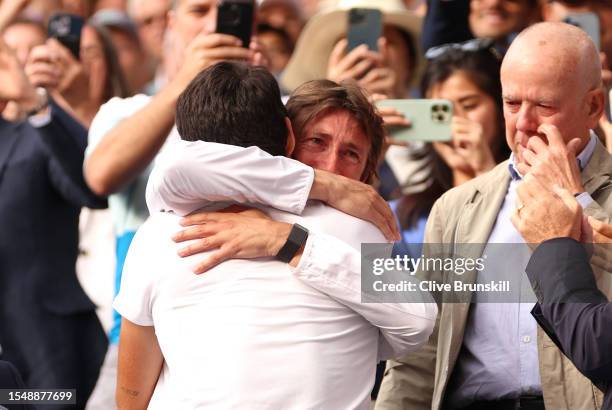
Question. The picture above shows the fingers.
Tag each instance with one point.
(568, 199)
(396, 142)
(212, 40)
(197, 232)
(41, 53)
(338, 52)
(525, 192)
(378, 80)
(213, 260)
(60, 51)
(385, 219)
(206, 217)
(536, 144)
(228, 53)
(203, 245)
(197, 218)
(523, 168)
(353, 65)
(552, 135)
(383, 49)
(353, 57)
(601, 228)
(530, 157)
(358, 70)
(392, 117)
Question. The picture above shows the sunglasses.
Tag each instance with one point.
(474, 45)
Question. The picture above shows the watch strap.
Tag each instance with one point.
(297, 238)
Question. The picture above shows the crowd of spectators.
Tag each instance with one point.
(155, 115)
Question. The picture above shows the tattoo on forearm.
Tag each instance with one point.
(132, 393)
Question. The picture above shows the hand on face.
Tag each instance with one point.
(552, 164)
(543, 213)
(235, 233)
(15, 84)
(469, 151)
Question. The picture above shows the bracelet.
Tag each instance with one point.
(297, 239)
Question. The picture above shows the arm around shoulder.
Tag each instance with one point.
(190, 175)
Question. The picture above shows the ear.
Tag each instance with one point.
(596, 101)
(290, 138)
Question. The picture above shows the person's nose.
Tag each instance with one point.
(526, 121)
(210, 21)
(331, 163)
(458, 111)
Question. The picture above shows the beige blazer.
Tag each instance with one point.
(466, 214)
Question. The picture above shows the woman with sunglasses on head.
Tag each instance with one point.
(468, 75)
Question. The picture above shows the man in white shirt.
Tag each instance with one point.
(254, 333)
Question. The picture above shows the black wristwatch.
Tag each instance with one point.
(297, 239)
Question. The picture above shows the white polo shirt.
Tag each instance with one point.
(258, 334)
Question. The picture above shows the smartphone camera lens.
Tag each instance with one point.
(435, 108)
(356, 16)
(445, 108)
(232, 17)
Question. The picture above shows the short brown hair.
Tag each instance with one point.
(236, 104)
(314, 98)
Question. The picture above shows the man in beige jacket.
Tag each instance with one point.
(493, 355)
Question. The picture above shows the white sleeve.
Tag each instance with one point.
(134, 300)
(334, 268)
(190, 175)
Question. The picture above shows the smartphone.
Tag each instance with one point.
(236, 17)
(589, 22)
(430, 119)
(364, 27)
(66, 28)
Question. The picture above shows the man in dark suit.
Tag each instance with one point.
(572, 309)
(48, 326)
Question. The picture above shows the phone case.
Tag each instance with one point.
(589, 22)
(235, 17)
(66, 28)
(430, 119)
(364, 27)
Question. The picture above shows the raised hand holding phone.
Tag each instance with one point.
(236, 18)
